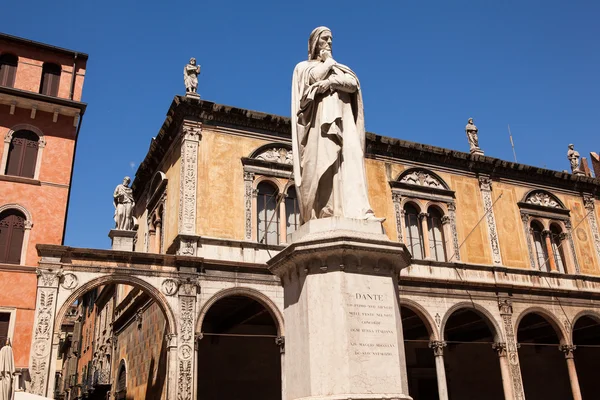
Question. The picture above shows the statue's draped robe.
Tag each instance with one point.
(123, 201)
(328, 139)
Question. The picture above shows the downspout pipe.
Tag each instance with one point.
(73, 77)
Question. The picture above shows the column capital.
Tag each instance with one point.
(396, 197)
(568, 349)
(446, 220)
(280, 341)
(505, 306)
(500, 348)
(423, 215)
(438, 347)
(485, 183)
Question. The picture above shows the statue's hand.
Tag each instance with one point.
(323, 86)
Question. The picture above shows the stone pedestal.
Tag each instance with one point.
(342, 317)
(476, 151)
(122, 240)
(192, 95)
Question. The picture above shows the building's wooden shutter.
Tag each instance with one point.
(50, 79)
(8, 70)
(4, 322)
(12, 231)
(22, 154)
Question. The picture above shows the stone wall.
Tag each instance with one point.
(143, 347)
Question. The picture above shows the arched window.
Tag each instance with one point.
(12, 232)
(541, 252)
(414, 234)
(292, 212)
(268, 215)
(436, 234)
(22, 154)
(50, 79)
(557, 249)
(8, 69)
(122, 382)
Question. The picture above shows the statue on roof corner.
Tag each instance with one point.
(123, 202)
(573, 156)
(190, 77)
(328, 136)
(473, 137)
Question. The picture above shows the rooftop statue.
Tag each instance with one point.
(123, 202)
(190, 76)
(473, 137)
(573, 156)
(328, 135)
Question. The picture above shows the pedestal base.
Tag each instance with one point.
(477, 151)
(122, 240)
(193, 95)
(342, 317)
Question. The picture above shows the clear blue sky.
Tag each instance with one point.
(425, 68)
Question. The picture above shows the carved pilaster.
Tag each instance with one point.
(248, 182)
(506, 311)
(569, 237)
(455, 244)
(41, 342)
(186, 340)
(438, 347)
(588, 202)
(485, 184)
(190, 139)
(397, 200)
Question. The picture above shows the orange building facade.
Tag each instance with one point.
(40, 118)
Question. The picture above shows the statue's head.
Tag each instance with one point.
(193, 61)
(470, 121)
(571, 146)
(320, 39)
(126, 181)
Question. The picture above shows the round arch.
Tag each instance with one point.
(15, 206)
(545, 192)
(115, 279)
(25, 127)
(275, 145)
(549, 317)
(242, 291)
(441, 207)
(416, 203)
(585, 313)
(424, 315)
(418, 170)
(485, 315)
(273, 181)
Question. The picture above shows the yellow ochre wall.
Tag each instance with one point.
(221, 209)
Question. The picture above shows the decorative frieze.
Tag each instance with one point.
(422, 178)
(485, 184)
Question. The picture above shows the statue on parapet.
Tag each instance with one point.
(328, 136)
(473, 137)
(573, 156)
(190, 77)
(123, 202)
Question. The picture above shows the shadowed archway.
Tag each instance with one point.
(586, 336)
(238, 353)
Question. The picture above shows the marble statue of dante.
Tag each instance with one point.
(573, 156)
(472, 135)
(328, 136)
(190, 76)
(123, 201)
